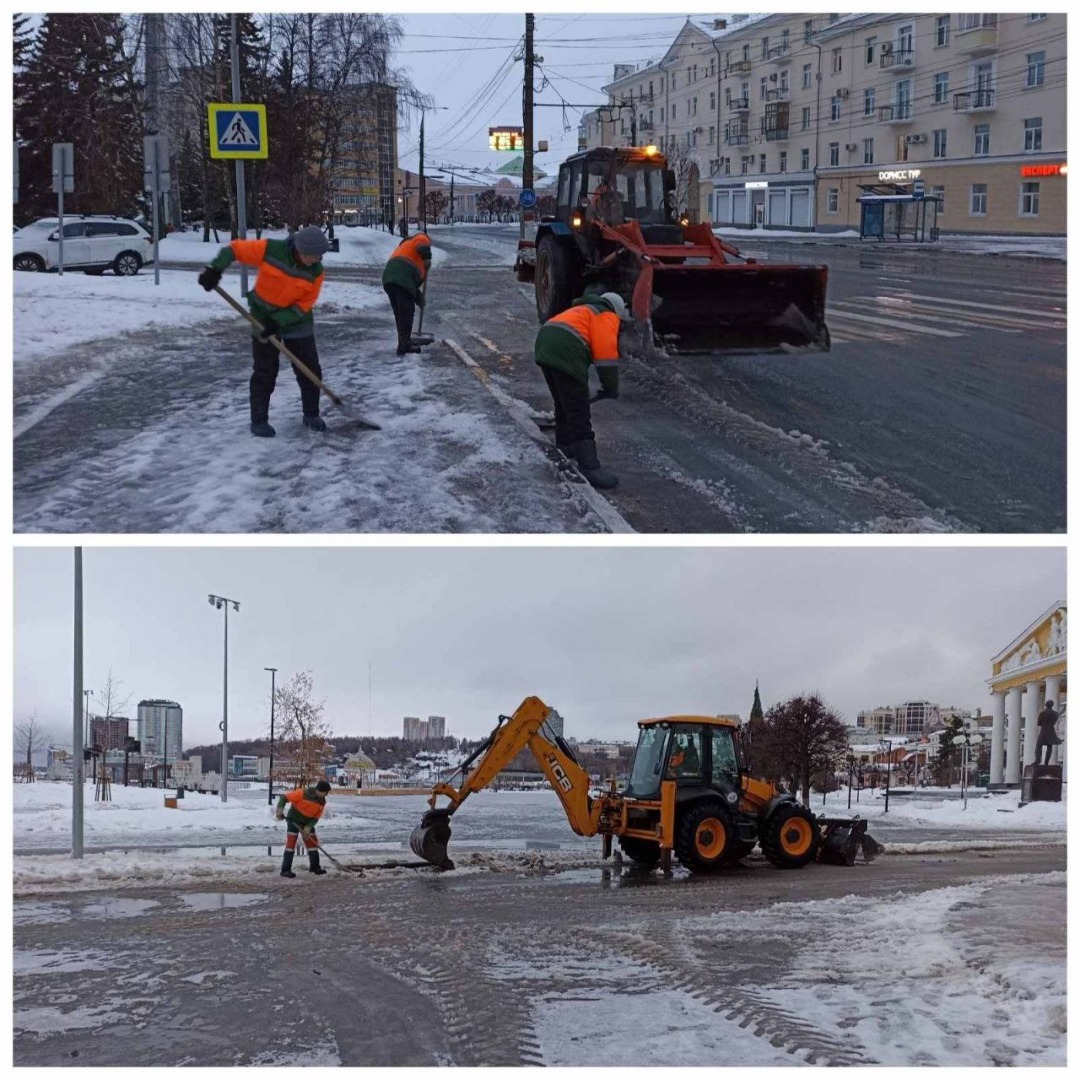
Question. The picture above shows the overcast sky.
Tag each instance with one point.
(606, 635)
(464, 62)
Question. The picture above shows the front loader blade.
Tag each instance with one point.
(430, 837)
(843, 838)
(871, 849)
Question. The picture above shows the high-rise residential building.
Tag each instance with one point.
(412, 728)
(556, 723)
(362, 179)
(160, 722)
(436, 727)
(108, 732)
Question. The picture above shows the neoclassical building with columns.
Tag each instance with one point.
(1027, 673)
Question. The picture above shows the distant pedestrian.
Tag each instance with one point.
(288, 284)
(1048, 735)
(403, 279)
(306, 806)
(568, 346)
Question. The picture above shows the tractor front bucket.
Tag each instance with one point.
(738, 307)
(430, 838)
(842, 839)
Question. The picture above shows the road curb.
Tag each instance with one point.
(613, 521)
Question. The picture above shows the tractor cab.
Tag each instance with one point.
(698, 753)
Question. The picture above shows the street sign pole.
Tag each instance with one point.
(156, 180)
(156, 166)
(241, 195)
(63, 174)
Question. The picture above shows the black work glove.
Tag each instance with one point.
(609, 382)
(270, 329)
(210, 276)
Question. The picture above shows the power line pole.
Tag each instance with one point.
(423, 184)
(241, 198)
(527, 115)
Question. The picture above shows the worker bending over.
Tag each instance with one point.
(306, 806)
(405, 273)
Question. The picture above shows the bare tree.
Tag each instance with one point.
(30, 737)
(300, 728)
(111, 699)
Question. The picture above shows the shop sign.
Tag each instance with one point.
(899, 174)
(1044, 170)
(754, 185)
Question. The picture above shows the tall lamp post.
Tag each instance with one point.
(966, 740)
(850, 777)
(270, 778)
(222, 604)
(887, 743)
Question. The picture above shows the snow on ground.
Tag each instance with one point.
(359, 246)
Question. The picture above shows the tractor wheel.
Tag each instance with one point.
(555, 278)
(740, 849)
(791, 837)
(643, 852)
(704, 836)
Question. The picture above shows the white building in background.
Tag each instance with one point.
(160, 720)
(1027, 673)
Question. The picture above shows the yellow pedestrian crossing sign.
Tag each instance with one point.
(237, 131)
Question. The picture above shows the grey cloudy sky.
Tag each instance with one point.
(606, 635)
(464, 62)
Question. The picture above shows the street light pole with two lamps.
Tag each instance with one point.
(887, 743)
(222, 604)
(965, 740)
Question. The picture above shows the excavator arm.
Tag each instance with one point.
(526, 728)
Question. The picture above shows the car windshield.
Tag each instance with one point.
(641, 188)
(648, 759)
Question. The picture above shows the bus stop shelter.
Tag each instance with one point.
(894, 212)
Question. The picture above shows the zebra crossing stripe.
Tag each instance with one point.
(877, 320)
(1057, 313)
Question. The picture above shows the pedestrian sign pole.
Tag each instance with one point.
(63, 180)
(157, 182)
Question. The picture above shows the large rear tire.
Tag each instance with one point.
(791, 837)
(556, 280)
(643, 852)
(704, 836)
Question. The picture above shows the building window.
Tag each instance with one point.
(868, 151)
(783, 161)
(673, 108)
(805, 117)
(1035, 18)
(661, 114)
(868, 101)
(804, 159)
(712, 100)
(833, 205)
(982, 140)
(1029, 200)
(807, 76)
(834, 153)
(746, 163)
(693, 107)
(837, 61)
(938, 191)
(941, 88)
(834, 113)
(746, 51)
(1036, 68)
(808, 29)
(764, 48)
(971, 21)
(763, 87)
(761, 164)
(941, 31)
(1033, 134)
(939, 142)
(978, 200)
(712, 135)
(870, 43)
(785, 85)
(674, 78)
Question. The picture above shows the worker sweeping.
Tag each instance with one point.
(306, 806)
(286, 288)
(405, 273)
(568, 345)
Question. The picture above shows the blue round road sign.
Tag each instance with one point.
(527, 198)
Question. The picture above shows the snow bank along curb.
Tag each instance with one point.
(612, 519)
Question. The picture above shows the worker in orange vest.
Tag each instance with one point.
(405, 273)
(306, 806)
(568, 346)
(290, 277)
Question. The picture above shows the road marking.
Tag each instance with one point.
(877, 320)
(612, 519)
(957, 315)
(973, 321)
(1056, 313)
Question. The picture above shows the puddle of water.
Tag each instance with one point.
(39, 911)
(117, 907)
(212, 901)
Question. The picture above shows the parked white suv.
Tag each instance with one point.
(92, 244)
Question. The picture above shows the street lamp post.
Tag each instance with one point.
(270, 778)
(965, 741)
(888, 769)
(850, 777)
(222, 604)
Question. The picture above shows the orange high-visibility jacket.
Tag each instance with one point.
(583, 335)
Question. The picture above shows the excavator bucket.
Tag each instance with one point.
(740, 307)
(842, 839)
(430, 838)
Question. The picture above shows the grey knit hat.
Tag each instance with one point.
(310, 240)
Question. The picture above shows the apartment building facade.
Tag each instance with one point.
(784, 121)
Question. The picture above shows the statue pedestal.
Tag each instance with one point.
(1040, 783)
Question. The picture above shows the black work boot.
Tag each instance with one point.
(584, 452)
(410, 348)
(286, 865)
(313, 862)
(315, 423)
(262, 429)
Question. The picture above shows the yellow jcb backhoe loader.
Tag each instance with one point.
(689, 793)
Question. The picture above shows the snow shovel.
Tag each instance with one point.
(418, 339)
(299, 364)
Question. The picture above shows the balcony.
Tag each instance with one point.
(893, 59)
(774, 134)
(740, 67)
(896, 114)
(972, 101)
(739, 104)
(780, 54)
(736, 136)
(978, 40)
(781, 93)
